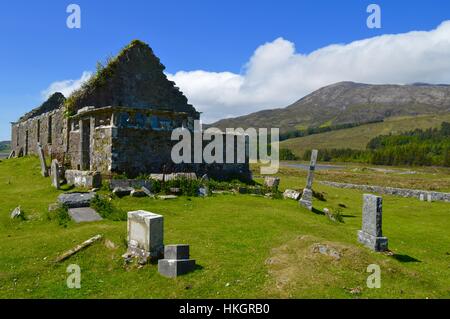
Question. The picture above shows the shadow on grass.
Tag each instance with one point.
(317, 212)
(66, 187)
(405, 259)
(348, 216)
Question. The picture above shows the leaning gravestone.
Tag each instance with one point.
(145, 235)
(307, 195)
(176, 261)
(371, 234)
(44, 169)
(55, 174)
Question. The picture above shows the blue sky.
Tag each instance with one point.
(216, 37)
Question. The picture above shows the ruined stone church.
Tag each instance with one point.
(120, 121)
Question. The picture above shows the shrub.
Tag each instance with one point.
(336, 214)
(107, 210)
(60, 214)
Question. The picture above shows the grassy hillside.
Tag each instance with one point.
(358, 137)
(349, 102)
(245, 246)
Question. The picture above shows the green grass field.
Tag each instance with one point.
(246, 246)
(358, 137)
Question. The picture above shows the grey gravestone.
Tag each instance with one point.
(429, 198)
(145, 235)
(55, 174)
(84, 214)
(371, 234)
(307, 196)
(422, 197)
(176, 261)
(44, 168)
(76, 200)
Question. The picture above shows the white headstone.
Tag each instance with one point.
(145, 235)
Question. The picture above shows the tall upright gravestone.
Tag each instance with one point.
(307, 196)
(44, 169)
(371, 234)
(55, 174)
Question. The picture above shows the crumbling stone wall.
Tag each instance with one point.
(49, 129)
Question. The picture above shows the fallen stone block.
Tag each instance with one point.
(86, 179)
(76, 200)
(133, 183)
(122, 191)
(147, 192)
(76, 249)
(166, 197)
(272, 182)
(84, 214)
(291, 194)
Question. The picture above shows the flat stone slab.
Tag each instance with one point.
(76, 200)
(84, 214)
(165, 197)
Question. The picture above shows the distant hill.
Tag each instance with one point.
(358, 137)
(349, 102)
(5, 146)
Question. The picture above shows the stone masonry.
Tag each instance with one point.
(121, 122)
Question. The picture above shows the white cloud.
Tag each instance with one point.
(276, 75)
(66, 87)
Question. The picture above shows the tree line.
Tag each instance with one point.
(430, 147)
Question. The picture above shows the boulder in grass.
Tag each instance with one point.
(16, 213)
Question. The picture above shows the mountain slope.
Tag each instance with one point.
(358, 137)
(349, 102)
